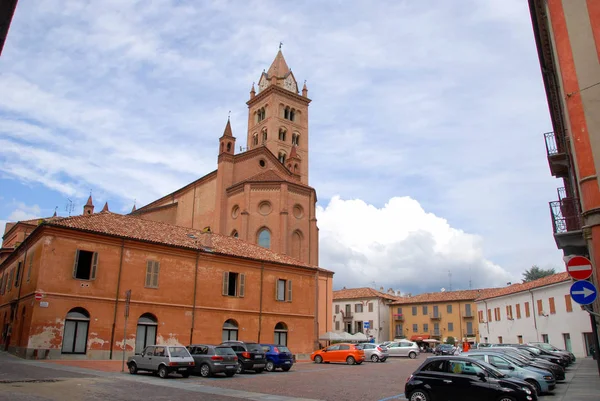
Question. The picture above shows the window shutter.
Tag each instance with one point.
(155, 274)
(242, 283)
(94, 266)
(289, 290)
(148, 273)
(2, 285)
(371, 324)
(75, 263)
(225, 283)
(277, 289)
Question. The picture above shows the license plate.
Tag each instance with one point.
(261, 365)
(287, 362)
(230, 367)
(180, 369)
(258, 356)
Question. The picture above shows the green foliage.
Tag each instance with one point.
(450, 340)
(536, 273)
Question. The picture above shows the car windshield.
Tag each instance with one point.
(514, 359)
(281, 348)
(178, 352)
(224, 351)
(255, 348)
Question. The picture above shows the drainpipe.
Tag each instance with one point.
(316, 328)
(487, 321)
(537, 334)
(260, 302)
(460, 321)
(112, 331)
(194, 300)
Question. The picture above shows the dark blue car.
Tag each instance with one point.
(278, 356)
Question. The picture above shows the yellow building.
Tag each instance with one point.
(437, 316)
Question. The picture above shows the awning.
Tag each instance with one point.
(420, 337)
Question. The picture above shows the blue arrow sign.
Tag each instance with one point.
(365, 325)
(583, 292)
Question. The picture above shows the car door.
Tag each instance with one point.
(503, 366)
(330, 353)
(436, 380)
(160, 355)
(145, 358)
(404, 348)
(394, 349)
(343, 353)
(465, 384)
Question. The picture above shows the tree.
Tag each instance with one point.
(450, 340)
(536, 273)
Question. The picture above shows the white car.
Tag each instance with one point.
(404, 348)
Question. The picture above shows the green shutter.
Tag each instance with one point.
(289, 290)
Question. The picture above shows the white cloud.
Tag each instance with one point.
(401, 246)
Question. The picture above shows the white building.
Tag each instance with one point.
(540, 310)
(354, 307)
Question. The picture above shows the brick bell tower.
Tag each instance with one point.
(278, 117)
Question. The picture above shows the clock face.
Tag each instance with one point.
(290, 85)
(263, 84)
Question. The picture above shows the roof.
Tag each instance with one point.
(279, 67)
(512, 289)
(7, 11)
(266, 176)
(135, 228)
(363, 292)
(443, 296)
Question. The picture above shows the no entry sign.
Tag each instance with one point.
(38, 296)
(579, 267)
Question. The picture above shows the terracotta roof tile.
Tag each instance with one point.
(511, 289)
(364, 292)
(445, 296)
(125, 226)
(266, 176)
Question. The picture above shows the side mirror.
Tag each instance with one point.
(481, 375)
(511, 368)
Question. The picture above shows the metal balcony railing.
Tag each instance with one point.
(435, 316)
(435, 333)
(399, 317)
(346, 315)
(554, 144)
(566, 215)
(468, 315)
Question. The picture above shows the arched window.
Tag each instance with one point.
(281, 157)
(295, 138)
(255, 139)
(75, 335)
(146, 331)
(282, 133)
(296, 245)
(234, 234)
(286, 113)
(229, 146)
(261, 114)
(264, 135)
(292, 114)
(264, 238)
(281, 334)
(230, 330)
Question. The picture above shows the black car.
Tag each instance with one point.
(251, 356)
(457, 378)
(549, 356)
(444, 349)
(523, 354)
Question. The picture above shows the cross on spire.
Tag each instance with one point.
(280, 44)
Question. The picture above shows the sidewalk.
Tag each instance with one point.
(584, 385)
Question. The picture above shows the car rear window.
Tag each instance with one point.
(224, 351)
(283, 349)
(255, 348)
(178, 352)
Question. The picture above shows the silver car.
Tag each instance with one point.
(163, 359)
(404, 348)
(375, 352)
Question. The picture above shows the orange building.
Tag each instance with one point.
(232, 255)
(567, 35)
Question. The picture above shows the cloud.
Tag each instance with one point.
(20, 213)
(401, 246)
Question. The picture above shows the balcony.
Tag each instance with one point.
(468, 315)
(566, 221)
(346, 316)
(436, 333)
(399, 317)
(556, 149)
(435, 316)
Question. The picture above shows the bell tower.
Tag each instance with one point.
(278, 116)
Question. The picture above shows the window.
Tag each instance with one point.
(146, 331)
(261, 114)
(292, 115)
(498, 362)
(337, 326)
(468, 310)
(282, 133)
(281, 334)
(152, 268)
(337, 309)
(526, 309)
(448, 308)
(415, 328)
(450, 326)
(399, 311)
(552, 306)
(496, 314)
(568, 303)
(499, 339)
(436, 329)
(414, 311)
(235, 234)
(264, 135)
(464, 368)
(520, 339)
(281, 157)
(284, 290)
(567, 340)
(370, 306)
(76, 331)
(489, 315)
(425, 310)
(509, 312)
(358, 308)
(18, 275)
(425, 327)
(85, 265)
(540, 307)
(348, 308)
(470, 329)
(234, 284)
(230, 331)
(286, 113)
(30, 265)
(399, 330)
(11, 279)
(518, 309)
(264, 238)
(295, 138)
(436, 312)
(359, 327)
(255, 139)
(545, 338)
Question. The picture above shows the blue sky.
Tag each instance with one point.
(426, 123)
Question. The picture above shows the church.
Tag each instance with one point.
(230, 256)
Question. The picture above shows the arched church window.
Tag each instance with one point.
(292, 115)
(282, 133)
(255, 139)
(229, 146)
(235, 234)
(286, 113)
(281, 157)
(264, 135)
(264, 238)
(295, 138)
(262, 114)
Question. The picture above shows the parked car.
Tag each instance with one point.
(162, 359)
(552, 348)
(458, 378)
(404, 348)
(350, 353)
(375, 352)
(278, 357)
(562, 360)
(444, 349)
(541, 379)
(528, 358)
(250, 356)
(211, 359)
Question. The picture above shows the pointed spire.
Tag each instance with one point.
(133, 209)
(279, 67)
(293, 153)
(54, 215)
(89, 201)
(227, 131)
(88, 208)
(105, 208)
(304, 89)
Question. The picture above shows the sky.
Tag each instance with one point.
(425, 128)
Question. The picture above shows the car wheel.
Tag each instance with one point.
(205, 370)
(534, 383)
(419, 395)
(412, 355)
(259, 370)
(318, 359)
(239, 368)
(286, 368)
(270, 366)
(383, 360)
(133, 368)
(162, 372)
(186, 374)
(374, 358)
(506, 398)
(350, 360)
(229, 374)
